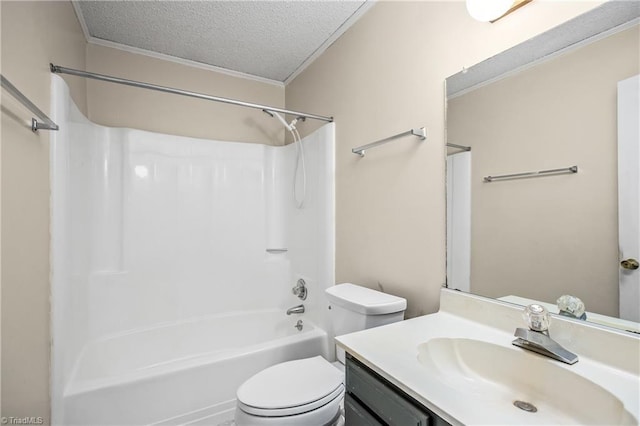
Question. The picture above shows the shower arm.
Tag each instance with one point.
(290, 126)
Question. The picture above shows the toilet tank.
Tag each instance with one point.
(355, 308)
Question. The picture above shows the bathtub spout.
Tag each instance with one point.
(296, 310)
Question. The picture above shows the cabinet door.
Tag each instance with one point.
(356, 415)
(381, 399)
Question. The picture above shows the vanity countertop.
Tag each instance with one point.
(607, 358)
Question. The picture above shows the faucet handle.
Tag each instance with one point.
(571, 306)
(300, 289)
(537, 317)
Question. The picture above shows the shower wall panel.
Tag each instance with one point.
(151, 229)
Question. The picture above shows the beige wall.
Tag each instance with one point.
(33, 34)
(124, 106)
(384, 76)
(541, 238)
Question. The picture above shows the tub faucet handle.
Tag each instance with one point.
(300, 289)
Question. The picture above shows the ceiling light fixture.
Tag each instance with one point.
(492, 10)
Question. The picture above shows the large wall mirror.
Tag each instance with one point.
(542, 169)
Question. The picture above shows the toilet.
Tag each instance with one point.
(310, 391)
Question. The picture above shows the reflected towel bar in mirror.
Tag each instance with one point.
(572, 169)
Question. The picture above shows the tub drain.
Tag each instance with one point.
(525, 406)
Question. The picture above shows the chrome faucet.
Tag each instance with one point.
(296, 310)
(300, 289)
(537, 339)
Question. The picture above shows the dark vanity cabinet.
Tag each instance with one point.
(371, 400)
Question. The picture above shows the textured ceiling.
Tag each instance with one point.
(268, 39)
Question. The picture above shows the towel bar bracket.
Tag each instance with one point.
(36, 125)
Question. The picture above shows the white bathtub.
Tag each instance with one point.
(182, 373)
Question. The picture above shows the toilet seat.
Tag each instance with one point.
(291, 388)
(292, 411)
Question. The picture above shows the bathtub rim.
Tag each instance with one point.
(75, 387)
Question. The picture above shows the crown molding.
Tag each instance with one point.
(365, 7)
(170, 58)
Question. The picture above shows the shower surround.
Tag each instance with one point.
(173, 260)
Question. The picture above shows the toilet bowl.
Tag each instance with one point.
(310, 391)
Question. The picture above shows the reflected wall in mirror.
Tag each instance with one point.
(540, 237)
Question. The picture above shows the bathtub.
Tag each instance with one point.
(182, 373)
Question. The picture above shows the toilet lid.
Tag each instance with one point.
(291, 387)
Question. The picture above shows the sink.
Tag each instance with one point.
(510, 385)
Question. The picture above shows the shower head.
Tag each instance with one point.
(290, 127)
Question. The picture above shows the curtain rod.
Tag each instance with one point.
(62, 70)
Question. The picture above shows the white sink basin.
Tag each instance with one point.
(493, 377)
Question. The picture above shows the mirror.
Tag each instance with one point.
(547, 106)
